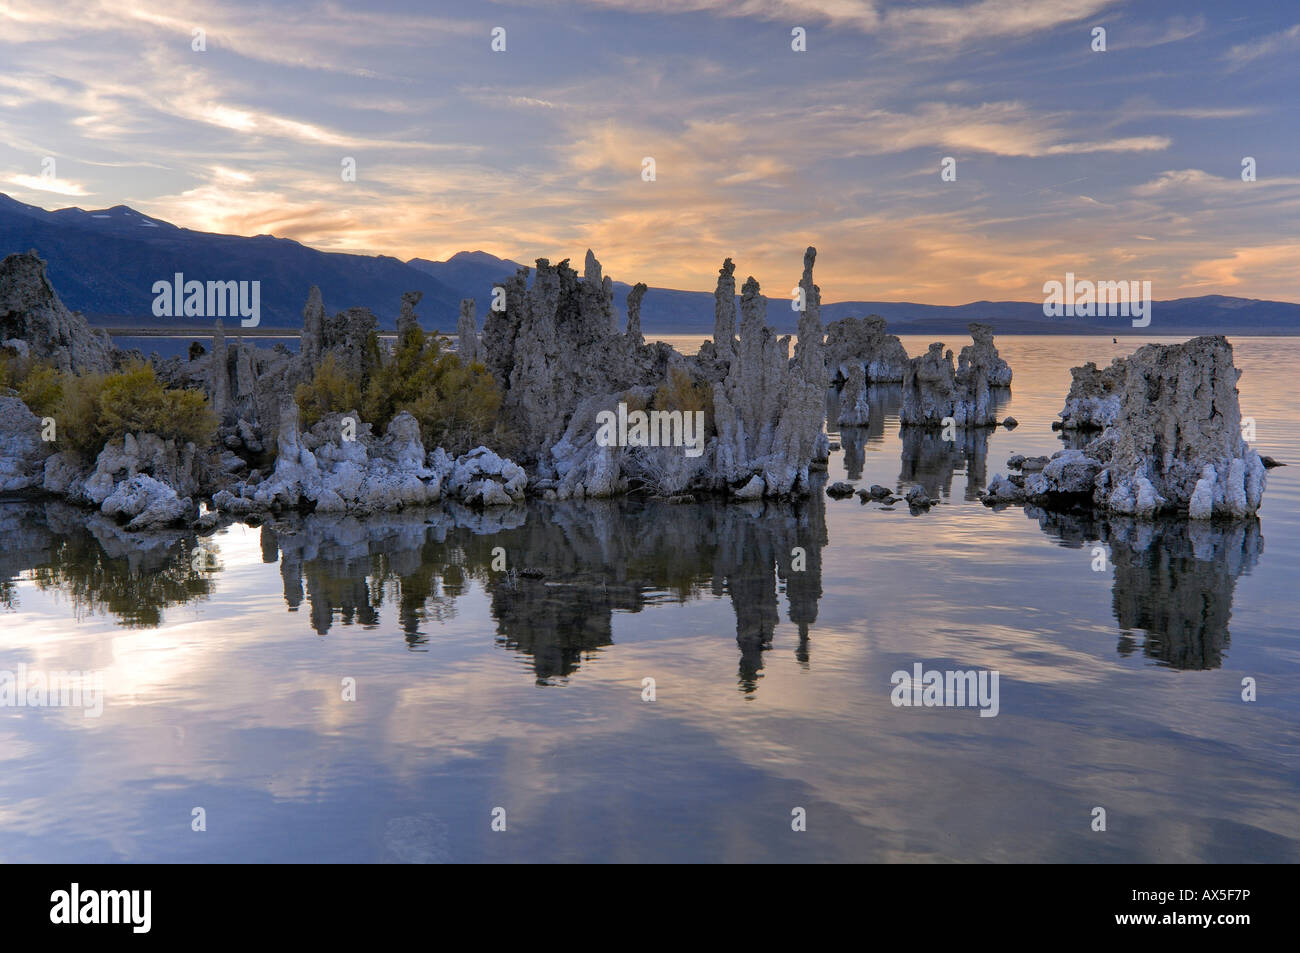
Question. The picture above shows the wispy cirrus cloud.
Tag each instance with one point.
(937, 23)
(1282, 41)
(47, 184)
(1063, 155)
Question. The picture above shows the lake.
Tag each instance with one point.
(488, 697)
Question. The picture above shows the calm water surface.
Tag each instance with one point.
(478, 689)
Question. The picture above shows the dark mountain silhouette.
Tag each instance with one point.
(475, 272)
(104, 263)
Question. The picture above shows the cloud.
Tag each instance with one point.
(1249, 267)
(936, 23)
(1280, 42)
(955, 24)
(40, 183)
(318, 37)
(1200, 182)
(1146, 35)
(759, 151)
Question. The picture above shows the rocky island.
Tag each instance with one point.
(353, 424)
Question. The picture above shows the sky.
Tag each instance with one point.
(1117, 165)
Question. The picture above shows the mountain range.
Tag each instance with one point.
(104, 263)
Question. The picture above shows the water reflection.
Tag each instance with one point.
(568, 567)
(885, 400)
(555, 574)
(931, 461)
(99, 567)
(1173, 580)
(926, 458)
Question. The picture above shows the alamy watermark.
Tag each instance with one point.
(655, 428)
(214, 299)
(39, 689)
(1099, 299)
(977, 688)
(132, 908)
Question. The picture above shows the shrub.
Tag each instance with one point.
(93, 409)
(682, 392)
(456, 405)
(135, 401)
(331, 391)
(42, 390)
(37, 383)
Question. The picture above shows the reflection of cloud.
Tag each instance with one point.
(235, 704)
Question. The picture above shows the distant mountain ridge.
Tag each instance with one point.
(104, 263)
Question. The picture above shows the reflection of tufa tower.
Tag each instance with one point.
(571, 566)
(1173, 579)
(931, 461)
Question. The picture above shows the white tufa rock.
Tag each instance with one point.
(150, 503)
(855, 411)
(768, 409)
(1095, 396)
(467, 346)
(335, 475)
(1176, 442)
(863, 344)
(22, 452)
(934, 390)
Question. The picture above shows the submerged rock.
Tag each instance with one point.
(1069, 474)
(1003, 490)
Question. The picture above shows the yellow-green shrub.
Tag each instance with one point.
(41, 390)
(682, 392)
(456, 405)
(94, 408)
(331, 391)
